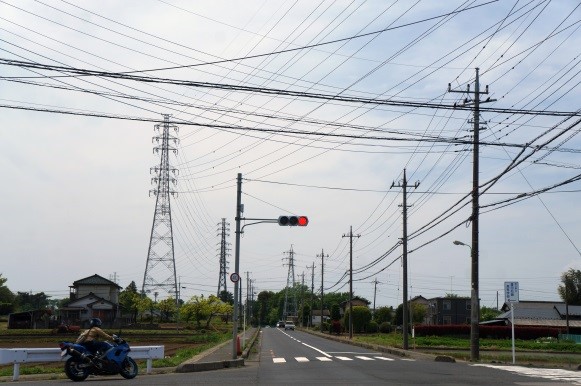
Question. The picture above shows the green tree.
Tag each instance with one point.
(145, 304)
(419, 312)
(226, 297)
(200, 309)
(384, 314)
(487, 313)
(27, 301)
(167, 307)
(264, 306)
(335, 312)
(129, 299)
(361, 318)
(6, 297)
(570, 290)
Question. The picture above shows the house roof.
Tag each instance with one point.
(95, 280)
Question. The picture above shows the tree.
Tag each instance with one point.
(129, 299)
(226, 297)
(27, 301)
(335, 312)
(384, 314)
(487, 313)
(145, 304)
(200, 309)
(167, 307)
(264, 307)
(6, 297)
(570, 291)
(418, 312)
(361, 317)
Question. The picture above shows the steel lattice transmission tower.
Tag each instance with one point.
(224, 248)
(160, 270)
(290, 308)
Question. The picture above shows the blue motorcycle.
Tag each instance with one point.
(83, 363)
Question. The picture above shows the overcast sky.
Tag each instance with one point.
(76, 188)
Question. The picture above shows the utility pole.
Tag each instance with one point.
(375, 282)
(350, 235)
(239, 212)
(322, 256)
(302, 308)
(312, 267)
(404, 185)
(475, 301)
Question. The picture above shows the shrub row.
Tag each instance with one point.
(491, 332)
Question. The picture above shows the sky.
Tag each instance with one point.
(320, 106)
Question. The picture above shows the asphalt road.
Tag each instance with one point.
(298, 358)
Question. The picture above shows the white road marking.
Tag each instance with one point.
(278, 360)
(344, 358)
(302, 359)
(364, 358)
(314, 348)
(408, 359)
(552, 374)
(384, 358)
(324, 359)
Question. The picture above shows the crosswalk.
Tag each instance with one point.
(560, 375)
(332, 359)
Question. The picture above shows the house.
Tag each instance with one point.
(540, 314)
(448, 310)
(92, 297)
(316, 315)
(356, 301)
(30, 319)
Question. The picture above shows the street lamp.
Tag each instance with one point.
(474, 306)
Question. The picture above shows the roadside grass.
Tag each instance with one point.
(434, 342)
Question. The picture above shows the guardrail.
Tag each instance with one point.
(17, 356)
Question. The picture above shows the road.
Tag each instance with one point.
(298, 358)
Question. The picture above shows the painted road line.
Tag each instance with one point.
(384, 358)
(324, 359)
(364, 358)
(316, 349)
(278, 360)
(302, 359)
(345, 358)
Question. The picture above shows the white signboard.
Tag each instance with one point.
(511, 291)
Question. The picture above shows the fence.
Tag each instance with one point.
(17, 356)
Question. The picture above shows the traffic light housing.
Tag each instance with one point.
(292, 221)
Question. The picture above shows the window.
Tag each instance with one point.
(447, 305)
(468, 306)
(447, 319)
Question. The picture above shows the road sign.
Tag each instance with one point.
(234, 277)
(511, 291)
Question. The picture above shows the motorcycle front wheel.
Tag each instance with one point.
(128, 368)
(75, 370)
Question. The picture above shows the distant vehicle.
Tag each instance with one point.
(289, 326)
(280, 324)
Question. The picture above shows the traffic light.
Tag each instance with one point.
(292, 221)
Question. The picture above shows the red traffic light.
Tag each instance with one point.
(301, 221)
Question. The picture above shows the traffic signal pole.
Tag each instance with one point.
(300, 221)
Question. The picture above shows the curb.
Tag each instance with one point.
(195, 364)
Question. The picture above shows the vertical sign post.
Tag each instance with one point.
(511, 296)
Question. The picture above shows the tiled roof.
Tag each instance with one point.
(94, 280)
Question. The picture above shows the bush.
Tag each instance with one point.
(372, 327)
(326, 326)
(385, 328)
